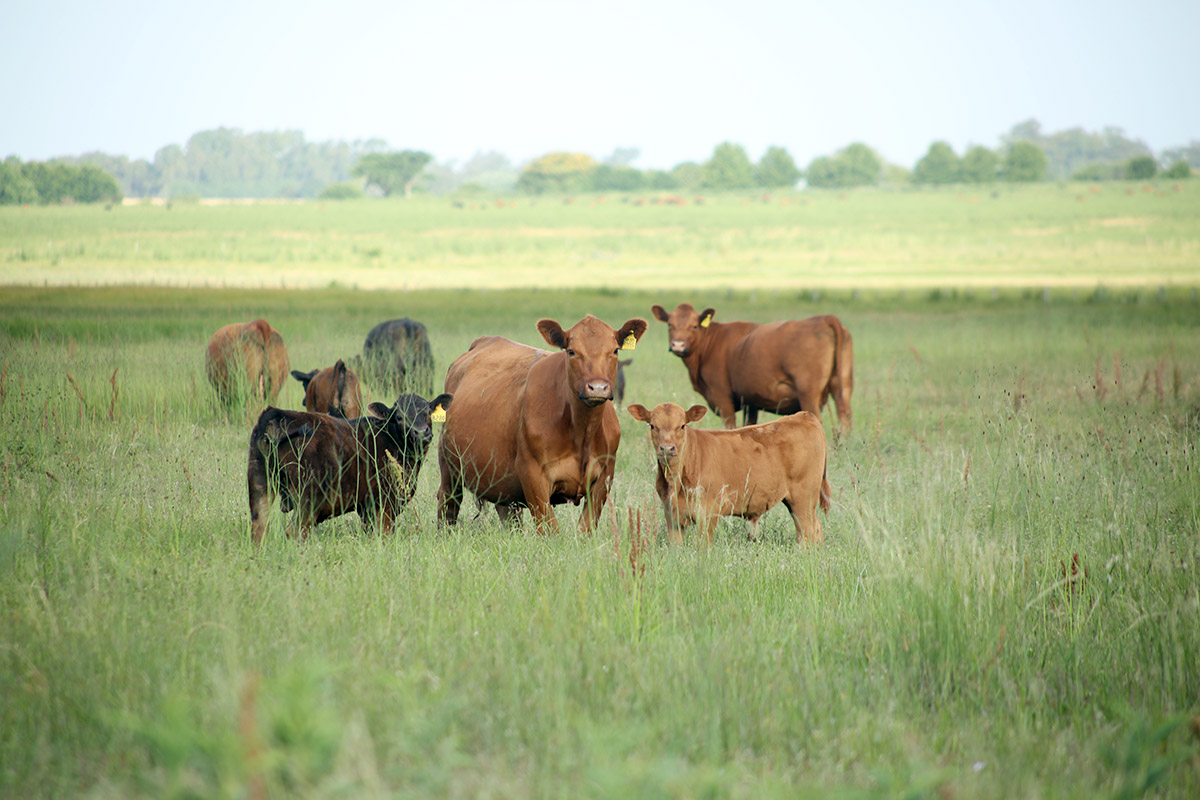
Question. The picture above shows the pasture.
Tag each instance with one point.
(1006, 603)
(1044, 235)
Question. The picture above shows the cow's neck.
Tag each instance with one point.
(684, 473)
(698, 356)
(585, 421)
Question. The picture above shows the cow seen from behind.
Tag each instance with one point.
(333, 390)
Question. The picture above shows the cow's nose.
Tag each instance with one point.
(678, 347)
(598, 390)
(667, 450)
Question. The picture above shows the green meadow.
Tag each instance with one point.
(1006, 603)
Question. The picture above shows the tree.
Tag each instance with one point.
(607, 178)
(15, 188)
(661, 180)
(557, 172)
(1141, 168)
(1189, 154)
(777, 169)
(1178, 171)
(688, 175)
(392, 172)
(1024, 163)
(939, 165)
(979, 165)
(856, 165)
(623, 157)
(729, 168)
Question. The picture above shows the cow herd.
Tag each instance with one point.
(527, 428)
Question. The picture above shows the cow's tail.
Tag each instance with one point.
(843, 354)
(826, 499)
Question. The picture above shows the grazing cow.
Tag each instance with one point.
(531, 428)
(619, 392)
(745, 472)
(333, 390)
(397, 357)
(782, 367)
(247, 355)
(324, 466)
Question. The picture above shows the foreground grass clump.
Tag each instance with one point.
(1006, 605)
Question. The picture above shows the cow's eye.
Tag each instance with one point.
(570, 352)
(616, 351)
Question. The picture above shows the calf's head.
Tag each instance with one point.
(410, 421)
(685, 326)
(333, 390)
(591, 347)
(667, 422)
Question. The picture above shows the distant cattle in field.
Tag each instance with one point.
(534, 429)
(703, 475)
(247, 361)
(333, 390)
(619, 391)
(397, 358)
(323, 466)
(781, 367)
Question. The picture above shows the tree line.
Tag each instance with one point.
(225, 162)
(43, 183)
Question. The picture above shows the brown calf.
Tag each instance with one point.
(746, 472)
(782, 367)
(324, 466)
(333, 390)
(249, 354)
(534, 429)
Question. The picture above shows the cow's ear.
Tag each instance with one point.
(695, 413)
(304, 377)
(339, 377)
(635, 328)
(706, 317)
(638, 412)
(659, 313)
(442, 400)
(380, 410)
(553, 333)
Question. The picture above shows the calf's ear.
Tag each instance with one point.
(659, 313)
(441, 401)
(380, 410)
(635, 328)
(638, 412)
(695, 413)
(304, 377)
(552, 332)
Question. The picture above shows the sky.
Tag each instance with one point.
(525, 77)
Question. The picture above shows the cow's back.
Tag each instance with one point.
(479, 439)
(777, 360)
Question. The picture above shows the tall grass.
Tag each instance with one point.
(1006, 604)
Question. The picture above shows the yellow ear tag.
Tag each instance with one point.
(630, 342)
(704, 322)
(438, 414)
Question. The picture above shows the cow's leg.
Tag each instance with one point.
(449, 494)
(261, 497)
(808, 524)
(593, 504)
(509, 515)
(707, 525)
(841, 399)
(728, 413)
(674, 529)
(752, 534)
(749, 415)
(537, 496)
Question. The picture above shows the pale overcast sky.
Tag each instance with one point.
(525, 77)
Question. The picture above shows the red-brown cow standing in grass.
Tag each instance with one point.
(534, 429)
(744, 472)
(249, 352)
(782, 367)
(334, 390)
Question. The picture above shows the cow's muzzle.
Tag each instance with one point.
(679, 348)
(596, 392)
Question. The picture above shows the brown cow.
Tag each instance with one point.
(247, 354)
(743, 473)
(333, 390)
(782, 367)
(531, 428)
(325, 466)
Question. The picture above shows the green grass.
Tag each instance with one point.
(1040, 235)
(931, 645)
